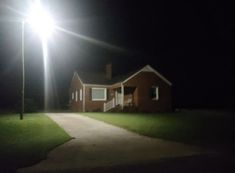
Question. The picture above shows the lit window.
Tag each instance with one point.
(80, 95)
(72, 95)
(76, 96)
(98, 94)
(154, 92)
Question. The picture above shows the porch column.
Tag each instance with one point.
(122, 92)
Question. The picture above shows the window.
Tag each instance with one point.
(76, 96)
(72, 95)
(98, 94)
(80, 96)
(154, 92)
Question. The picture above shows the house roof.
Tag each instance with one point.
(94, 78)
(100, 78)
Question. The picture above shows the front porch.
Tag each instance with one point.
(123, 96)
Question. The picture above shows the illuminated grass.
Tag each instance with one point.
(24, 142)
(193, 127)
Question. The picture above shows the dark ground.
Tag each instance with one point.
(196, 164)
(218, 163)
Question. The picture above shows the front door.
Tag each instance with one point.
(118, 97)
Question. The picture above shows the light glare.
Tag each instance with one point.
(40, 20)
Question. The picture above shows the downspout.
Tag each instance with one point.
(83, 100)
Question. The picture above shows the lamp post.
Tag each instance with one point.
(43, 24)
(23, 72)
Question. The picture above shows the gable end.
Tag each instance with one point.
(75, 75)
(148, 68)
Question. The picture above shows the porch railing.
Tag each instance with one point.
(109, 105)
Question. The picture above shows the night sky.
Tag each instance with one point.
(191, 44)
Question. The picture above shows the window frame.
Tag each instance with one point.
(105, 94)
(156, 92)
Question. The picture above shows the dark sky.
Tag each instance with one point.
(191, 44)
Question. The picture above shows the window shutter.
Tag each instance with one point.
(72, 95)
(76, 95)
(80, 95)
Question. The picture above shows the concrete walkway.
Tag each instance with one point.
(97, 144)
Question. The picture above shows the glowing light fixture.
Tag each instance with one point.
(40, 20)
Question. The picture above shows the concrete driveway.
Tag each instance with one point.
(97, 144)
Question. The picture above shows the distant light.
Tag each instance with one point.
(40, 20)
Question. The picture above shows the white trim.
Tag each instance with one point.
(157, 73)
(146, 68)
(116, 97)
(75, 74)
(72, 95)
(105, 94)
(80, 94)
(122, 91)
(114, 85)
(97, 85)
(76, 96)
(149, 69)
(156, 91)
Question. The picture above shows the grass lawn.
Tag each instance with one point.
(24, 142)
(198, 127)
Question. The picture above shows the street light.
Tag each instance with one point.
(42, 22)
(23, 72)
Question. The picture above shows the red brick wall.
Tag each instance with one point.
(91, 106)
(144, 81)
(75, 85)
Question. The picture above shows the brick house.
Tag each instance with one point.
(144, 90)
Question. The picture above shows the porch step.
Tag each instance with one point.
(130, 109)
(118, 108)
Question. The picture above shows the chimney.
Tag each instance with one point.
(108, 70)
